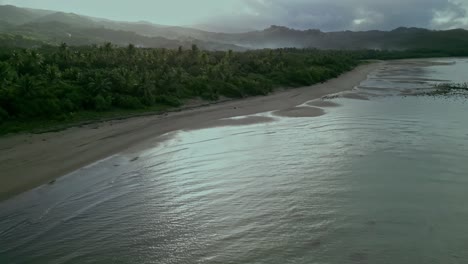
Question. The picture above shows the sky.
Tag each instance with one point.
(239, 15)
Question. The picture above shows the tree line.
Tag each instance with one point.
(55, 83)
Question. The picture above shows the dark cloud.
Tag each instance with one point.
(333, 15)
(453, 16)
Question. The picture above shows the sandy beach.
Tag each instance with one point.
(30, 160)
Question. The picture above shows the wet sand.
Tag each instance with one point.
(27, 161)
(243, 121)
(300, 112)
(322, 103)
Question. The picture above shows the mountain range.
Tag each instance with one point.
(26, 27)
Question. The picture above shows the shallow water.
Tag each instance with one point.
(372, 181)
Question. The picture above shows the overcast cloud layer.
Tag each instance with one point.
(238, 15)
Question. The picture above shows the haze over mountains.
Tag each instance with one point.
(26, 27)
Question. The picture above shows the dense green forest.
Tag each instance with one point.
(60, 82)
(52, 85)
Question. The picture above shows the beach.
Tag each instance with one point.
(30, 160)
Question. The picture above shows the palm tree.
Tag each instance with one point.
(63, 47)
(6, 73)
(108, 47)
(146, 90)
(195, 49)
(99, 85)
(26, 86)
(52, 73)
(131, 49)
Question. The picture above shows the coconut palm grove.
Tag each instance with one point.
(51, 85)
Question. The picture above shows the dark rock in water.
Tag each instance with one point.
(52, 182)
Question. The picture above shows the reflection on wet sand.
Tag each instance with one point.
(240, 121)
(322, 103)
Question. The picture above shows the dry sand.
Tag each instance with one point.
(27, 161)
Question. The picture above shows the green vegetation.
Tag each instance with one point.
(52, 87)
(57, 85)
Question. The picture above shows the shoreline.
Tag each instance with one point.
(30, 160)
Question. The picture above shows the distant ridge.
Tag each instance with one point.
(51, 27)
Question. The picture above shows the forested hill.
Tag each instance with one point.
(398, 39)
(31, 27)
(21, 27)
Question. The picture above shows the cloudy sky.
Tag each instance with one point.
(328, 15)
